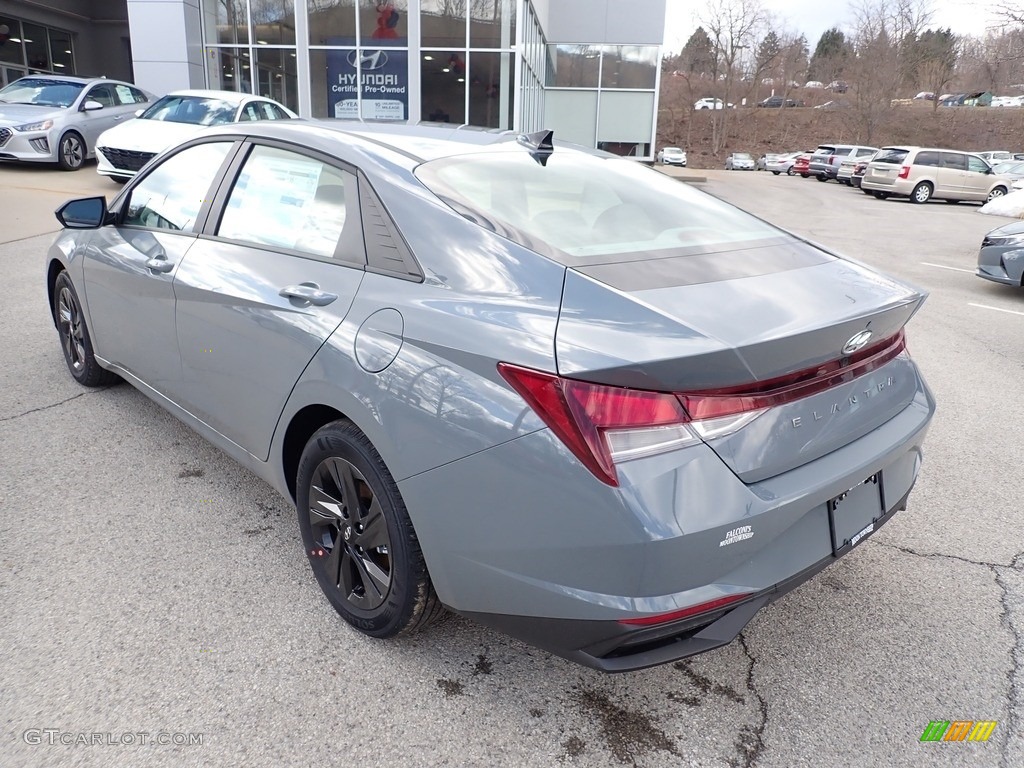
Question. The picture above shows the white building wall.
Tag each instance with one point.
(167, 44)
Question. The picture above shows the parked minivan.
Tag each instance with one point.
(826, 158)
(922, 173)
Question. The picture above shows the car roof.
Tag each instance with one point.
(232, 97)
(72, 79)
(416, 143)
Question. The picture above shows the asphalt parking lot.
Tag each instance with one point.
(149, 585)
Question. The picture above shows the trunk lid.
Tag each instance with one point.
(739, 318)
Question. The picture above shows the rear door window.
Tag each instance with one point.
(954, 160)
(283, 199)
(927, 158)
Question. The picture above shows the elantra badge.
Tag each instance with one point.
(859, 341)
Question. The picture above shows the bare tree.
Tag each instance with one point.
(883, 30)
(733, 27)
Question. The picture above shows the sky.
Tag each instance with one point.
(812, 17)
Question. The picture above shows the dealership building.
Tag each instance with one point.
(588, 69)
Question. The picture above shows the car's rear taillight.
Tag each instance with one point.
(603, 425)
(904, 172)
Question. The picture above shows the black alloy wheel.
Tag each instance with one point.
(358, 536)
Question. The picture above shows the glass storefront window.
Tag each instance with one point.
(384, 23)
(443, 24)
(229, 69)
(443, 86)
(273, 22)
(492, 24)
(37, 47)
(491, 75)
(10, 41)
(61, 52)
(573, 66)
(276, 76)
(332, 22)
(629, 66)
(226, 21)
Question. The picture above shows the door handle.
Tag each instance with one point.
(309, 292)
(160, 265)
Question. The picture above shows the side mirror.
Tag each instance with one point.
(91, 106)
(84, 213)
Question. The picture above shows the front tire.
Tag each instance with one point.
(74, 336)
(821, 177)
(789, 171)
(997, 192)
(358, 536)
(71, 151)
(776, 173)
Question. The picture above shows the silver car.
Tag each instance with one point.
(740, 161)
(55, 119)
(551, 389)
(1001, 258)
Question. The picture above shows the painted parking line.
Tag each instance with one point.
(997, 309)
(943, 266)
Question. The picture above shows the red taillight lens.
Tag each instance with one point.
(713, 403)
(904, 172)
(693, 610)
(584, 416)
(601, 424)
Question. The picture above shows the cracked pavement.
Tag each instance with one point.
(147, 583)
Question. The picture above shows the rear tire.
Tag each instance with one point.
(821, 177)
(789, 171)
(922, 193)
(776, 173)
(358, 536)
(804, 175)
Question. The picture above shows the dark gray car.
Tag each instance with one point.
(550, 389)
(1001, 258)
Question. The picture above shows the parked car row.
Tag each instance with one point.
(68, 120)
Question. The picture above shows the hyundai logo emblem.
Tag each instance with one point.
(368, 60)
(856, 342)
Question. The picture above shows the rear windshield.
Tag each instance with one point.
(586, 206)
(891, 155)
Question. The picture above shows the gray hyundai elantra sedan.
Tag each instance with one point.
(547, 388)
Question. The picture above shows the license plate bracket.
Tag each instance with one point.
(853, 515)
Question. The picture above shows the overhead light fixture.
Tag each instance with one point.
(26, 40)
(262, 42)
(428, 57)
(228, 74)
(68, 52)
(446, 69)
(462, 79)
(58, 65)
(14, 39)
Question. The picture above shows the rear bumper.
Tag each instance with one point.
(561, 560)
(613, 647)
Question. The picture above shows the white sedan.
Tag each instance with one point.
(709, 103)
(672, 156)
(124, 149)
